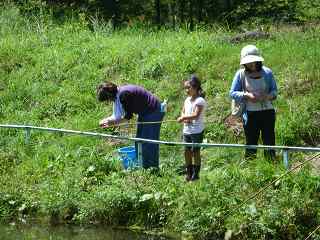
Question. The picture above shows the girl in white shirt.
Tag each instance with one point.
(192, 117)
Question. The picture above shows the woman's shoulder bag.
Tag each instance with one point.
(238, 108)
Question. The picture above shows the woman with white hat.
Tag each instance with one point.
(254, 85)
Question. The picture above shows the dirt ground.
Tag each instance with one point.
(315, 165)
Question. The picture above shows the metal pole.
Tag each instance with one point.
(27, 135)
(139, 144)
(286, 158)
(142, 140)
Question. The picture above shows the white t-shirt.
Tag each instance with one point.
(197, 125)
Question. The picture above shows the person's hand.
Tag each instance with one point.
(104, 123)
(180, 119)
(251, 97)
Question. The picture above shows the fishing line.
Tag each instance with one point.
(132, 123)
(317, 228)
(137, 123)
(269, 184)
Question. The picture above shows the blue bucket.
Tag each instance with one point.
(128, 157)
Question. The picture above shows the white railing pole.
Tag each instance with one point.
(286, 158)
(139, 141)
(139, 154)
(27, 135)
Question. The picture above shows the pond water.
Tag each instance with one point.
(28, 232)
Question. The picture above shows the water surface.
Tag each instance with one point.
(26, 232)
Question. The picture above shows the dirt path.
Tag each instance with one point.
(315, 165)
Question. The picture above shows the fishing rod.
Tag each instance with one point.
(130, 123)
(316, 229)
(141, 123)
(232, 211)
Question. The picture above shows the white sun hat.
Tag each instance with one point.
(249, 54)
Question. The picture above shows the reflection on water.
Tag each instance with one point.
(25, 232)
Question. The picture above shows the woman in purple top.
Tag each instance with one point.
(132, 99)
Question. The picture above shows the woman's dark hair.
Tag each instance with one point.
(258, 67)
(195, 83)
(107, 91)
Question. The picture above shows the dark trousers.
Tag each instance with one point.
(150, 151)
(260, 122)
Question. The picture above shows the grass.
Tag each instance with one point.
(48, 75)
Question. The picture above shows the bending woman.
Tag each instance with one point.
(132, 99)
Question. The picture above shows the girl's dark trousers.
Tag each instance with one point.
(260, 122)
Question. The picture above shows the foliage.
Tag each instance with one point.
(181, 13)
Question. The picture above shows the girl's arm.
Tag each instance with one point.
(198, 110)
